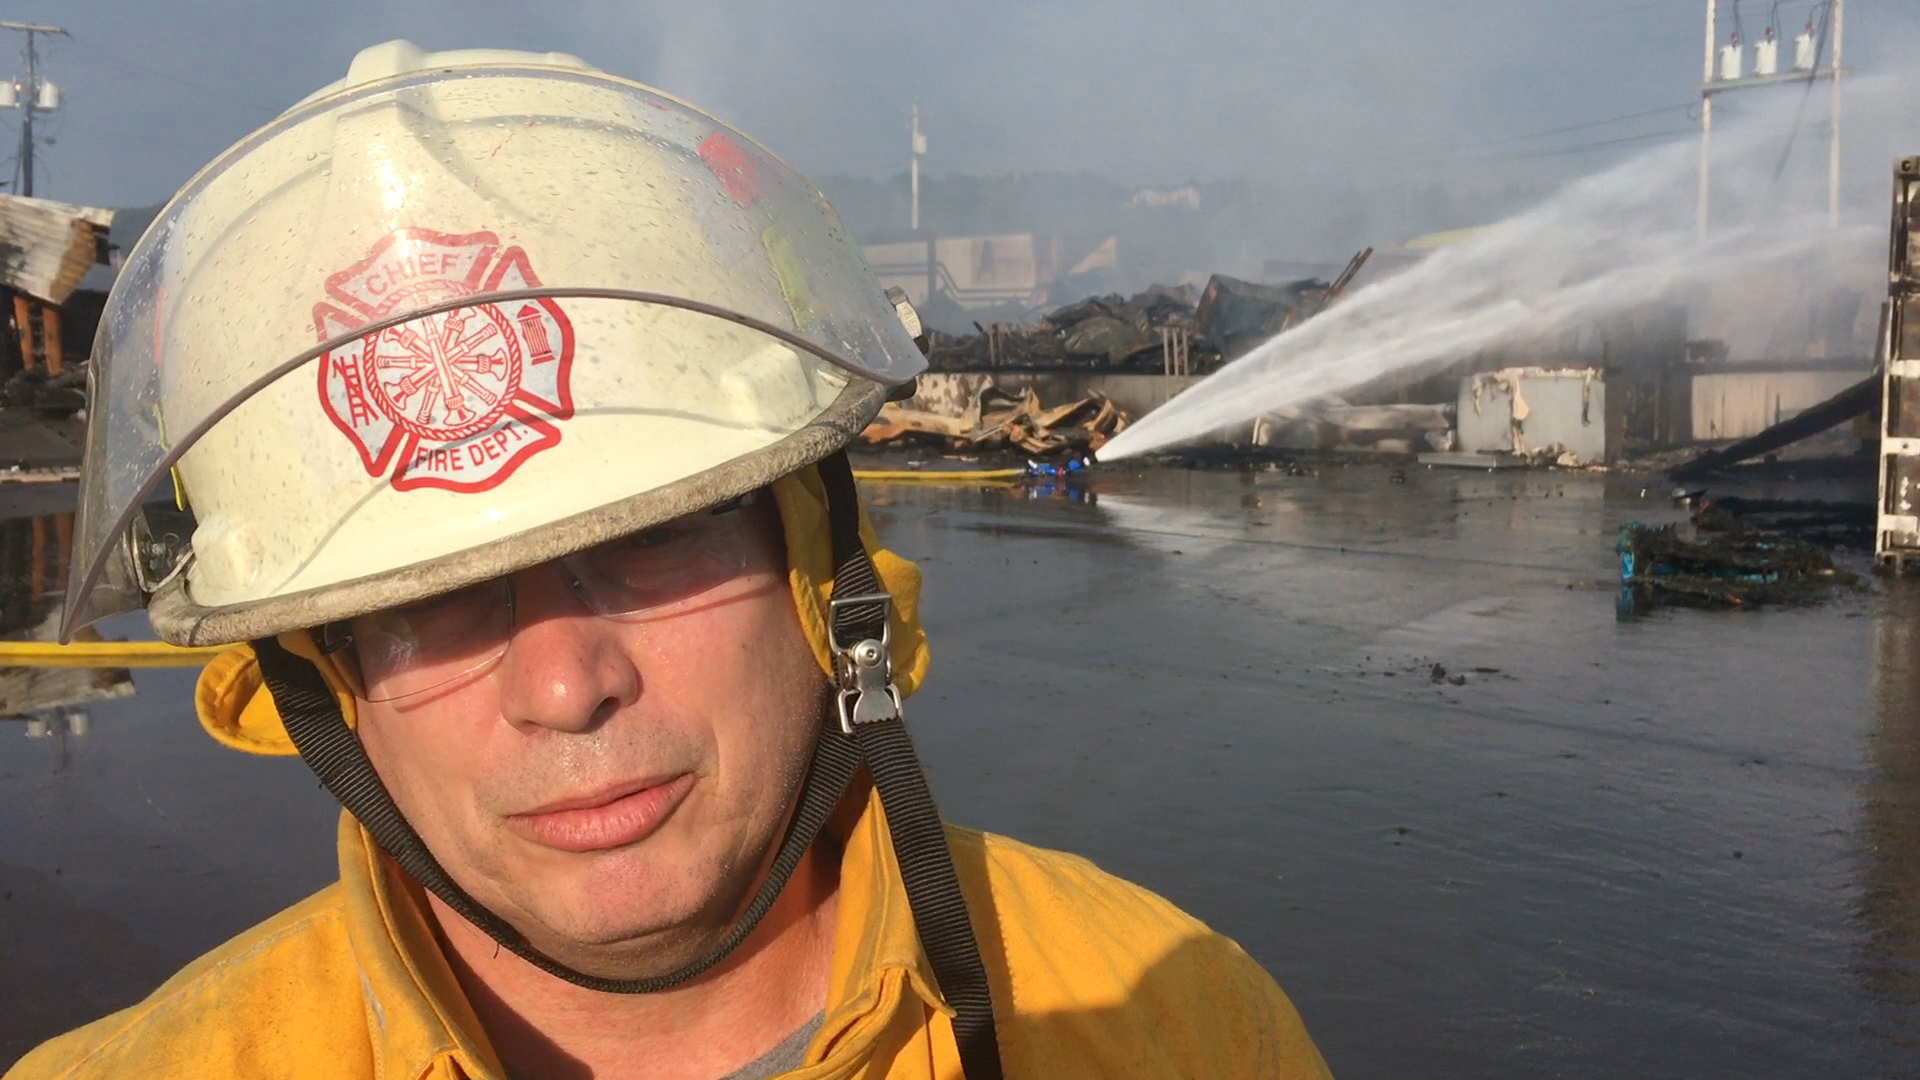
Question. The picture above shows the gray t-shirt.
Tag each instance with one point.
(785, 1057)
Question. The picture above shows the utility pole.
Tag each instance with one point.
(28, 98)
(1833, 129)
(917, 150)
(1706, 127)
(1730, 74)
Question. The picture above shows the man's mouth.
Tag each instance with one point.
(609, 818)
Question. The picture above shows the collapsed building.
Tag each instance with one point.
(984, 390)
(1167, 329)
(1633, 385)
(46, 249)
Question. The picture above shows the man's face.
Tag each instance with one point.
(613, 787)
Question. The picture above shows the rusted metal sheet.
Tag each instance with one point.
(46, 247)
(1903, 422)
(1897, 528)
(1909, 322)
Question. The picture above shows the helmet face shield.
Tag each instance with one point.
(424, 314)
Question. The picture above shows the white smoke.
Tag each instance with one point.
(1604, 245)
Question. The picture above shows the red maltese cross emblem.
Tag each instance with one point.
(455, 400)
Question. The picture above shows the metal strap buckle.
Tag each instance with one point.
(867, 693)
(885, 600)
(864, 669)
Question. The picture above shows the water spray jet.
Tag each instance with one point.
(1608, 244)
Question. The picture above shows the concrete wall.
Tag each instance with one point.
(1736, 405)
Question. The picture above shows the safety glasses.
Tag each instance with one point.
(412, 651)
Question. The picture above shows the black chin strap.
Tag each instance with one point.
(869, 707)
(335, 755)
(867, 728)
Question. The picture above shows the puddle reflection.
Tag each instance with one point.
(1889, 964)
(1196, 644)
(50, 702)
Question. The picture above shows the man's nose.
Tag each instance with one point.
(566, 669)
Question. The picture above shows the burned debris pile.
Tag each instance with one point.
(1168, 329)
(997, 419)
(51, 247)
(59, 395)
(1106, 332)
(1721, 569)
(1818, 521)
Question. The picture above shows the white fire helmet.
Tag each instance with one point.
(458, 314)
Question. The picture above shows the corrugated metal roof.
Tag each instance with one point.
(46, 247)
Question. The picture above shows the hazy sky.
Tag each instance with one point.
(1331, 92)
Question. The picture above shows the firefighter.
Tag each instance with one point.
(508, 400)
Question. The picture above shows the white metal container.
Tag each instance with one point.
(48, 99)
(1730, 58)
(1766, 56)
(9, 96)
(1526, 411)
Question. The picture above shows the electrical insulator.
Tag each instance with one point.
(1730, 57)
(1803, 49)
(1766, 55)
(48, 99)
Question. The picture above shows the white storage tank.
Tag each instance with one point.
(1803, 49)
(1766, 55)
(1730, 56)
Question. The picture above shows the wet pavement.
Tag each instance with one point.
(1679, 845)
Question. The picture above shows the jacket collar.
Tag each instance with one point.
(421, 1024)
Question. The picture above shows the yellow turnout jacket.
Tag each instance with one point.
(1092, 977)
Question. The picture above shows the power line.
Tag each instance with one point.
(227, 99)
(1800, 110)
(1577, 148)
(1683, 107)
(1632, 140)
(1587, 125)
(150, 136)
(1611, 10)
